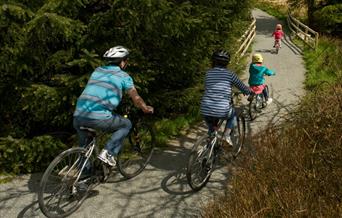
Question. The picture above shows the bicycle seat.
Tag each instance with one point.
(89, 130)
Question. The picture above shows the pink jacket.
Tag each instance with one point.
(278, 34)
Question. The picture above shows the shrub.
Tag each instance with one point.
(329, 19)
(28, 155)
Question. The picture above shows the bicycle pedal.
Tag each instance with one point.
(83, 187)
(137, 148)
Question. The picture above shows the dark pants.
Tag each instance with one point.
(212, 121)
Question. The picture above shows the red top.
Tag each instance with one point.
(278, 34)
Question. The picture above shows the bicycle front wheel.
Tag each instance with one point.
(60, 194)
(137, 150)
(200, 164)
(255, 106)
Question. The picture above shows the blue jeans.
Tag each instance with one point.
(118, 125)
(212, 121)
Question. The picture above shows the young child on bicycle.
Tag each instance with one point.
(216, 101)
(256, 79)
(278, 35)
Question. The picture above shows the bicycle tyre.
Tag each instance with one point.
(264, 103)
(137, 150)
(54, 173)
(238, 134)
(197, 158)
(255, 106)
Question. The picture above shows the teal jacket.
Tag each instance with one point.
(256, 74)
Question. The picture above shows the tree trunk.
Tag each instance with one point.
(311, 9)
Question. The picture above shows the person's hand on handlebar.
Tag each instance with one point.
(148, 109)
(250, 97)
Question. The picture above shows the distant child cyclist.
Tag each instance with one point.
(256, 76)
(216, 101)
(278, 35)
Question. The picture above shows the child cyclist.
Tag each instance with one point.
(216, 101)
(278, 35)
(256, 76)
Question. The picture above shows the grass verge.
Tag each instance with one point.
(277, 10)
(167, 128)
(323, 64)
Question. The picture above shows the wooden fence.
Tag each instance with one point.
(309, 36)
(246, 39)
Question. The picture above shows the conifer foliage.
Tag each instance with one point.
(48, 48)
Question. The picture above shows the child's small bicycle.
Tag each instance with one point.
(257, 103)
(277, 45)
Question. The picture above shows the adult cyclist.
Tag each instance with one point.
(216, 101)
(100, 97)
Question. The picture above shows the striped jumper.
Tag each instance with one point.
(216, 101)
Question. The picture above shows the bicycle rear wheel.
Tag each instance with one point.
(255, 106)
(238, 134)
(137, 150)
(60, 194)
(200, 164)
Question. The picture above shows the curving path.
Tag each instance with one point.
(161, 190)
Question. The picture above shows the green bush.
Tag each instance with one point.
(28, 155)
(329, 19)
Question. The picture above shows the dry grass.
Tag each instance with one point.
(296, 171)
(283, 6)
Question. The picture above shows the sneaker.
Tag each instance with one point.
(269, 101)
(228, 140)
(107, 158)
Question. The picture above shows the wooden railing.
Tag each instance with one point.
(246, 39)
(309, 36)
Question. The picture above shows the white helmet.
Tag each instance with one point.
(119, 52)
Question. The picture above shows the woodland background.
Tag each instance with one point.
(48, 49)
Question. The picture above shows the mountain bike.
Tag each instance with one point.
(208, 148)
(71, 176)
(257, 103)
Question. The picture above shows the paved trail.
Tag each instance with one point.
(161, 190)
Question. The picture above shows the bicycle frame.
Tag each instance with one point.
(213, 139)
(89, 152)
